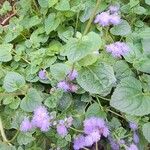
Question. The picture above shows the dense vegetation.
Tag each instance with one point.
(75, 74)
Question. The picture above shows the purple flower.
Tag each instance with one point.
(135, 138)
(25, 125)
(114, 144)
(63, 85)
(117, 49)
(42, 74)
(62, 130)
(73, 87)
(133, 126)
(103, 19)
(115, 19)
(113, 9)
(95, 124)
(41, 119)
(72, 75)
(132, 147)
(79, 142)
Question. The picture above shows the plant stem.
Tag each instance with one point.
(85, 148)
(3, 133)
(11, 94)
(96, 146)
(115, 113)
(103, 98)
(76, 130)
(91, 18)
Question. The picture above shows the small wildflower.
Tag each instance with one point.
(63, 85)
(62, 130)
(95, 124)
(41, 119)
(103, 19)
(133, 126)
(72, 75)
(117, 49)
(25, 125)
(69, 121)
(115, 19)
(114, 144)
(79, 142)
(73, 87)
(42, 74)
(114, 9)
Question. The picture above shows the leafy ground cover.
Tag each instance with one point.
(75, 75)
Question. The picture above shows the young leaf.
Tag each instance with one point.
(146, 131)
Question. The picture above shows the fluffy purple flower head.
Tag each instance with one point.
(41, 119)
(115, 19)
(133, 126)
(79, 142)
(95, 124)
(135, 138)
(62, 130)
(132, 147)
(72, 75)
(63, 85)
(114, 9)
(117, 49)
(42, 74)
(103, 19)
(25, 125)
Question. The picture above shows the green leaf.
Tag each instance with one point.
(122, 29)
(146, 45)
(52, 2)
(146, 131)
(25, 138)
(59, 71)
(5, 52)
(51, 23)
(65, 102)
(128, 97)
(97, 79)
(31, 101)
(13, 81)
(43, 3)
(76, 49)
(142, 64)
(94, 110)
(139, 10)
(63, 5)
(147, 2)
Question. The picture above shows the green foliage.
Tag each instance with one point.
(58, 37)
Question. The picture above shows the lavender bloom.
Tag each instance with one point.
(79, 142)
(72, 75)
(95, 124)
(135, 138)
(73, 87)
(117, 49)
(41, 119)
(133, 126)
(115, 19)
(103, 19)
(42, 74)
(63, 85)
(114, 145)
(132, 147)
(25, 125)
(62, 130)
(113, 9)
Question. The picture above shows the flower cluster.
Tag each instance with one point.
(41, 119)
(94, 128)
(42, 74)
(132, 147)
(110, 17)
(67, 85)
(117, 49)
(63, 125)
